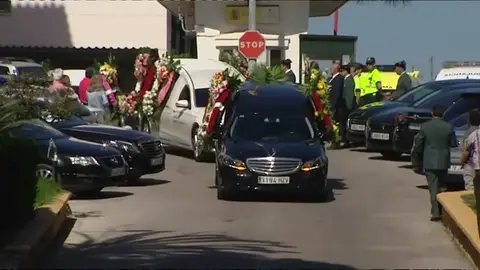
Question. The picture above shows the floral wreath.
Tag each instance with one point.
(154, 82)
(109, 74)
(316, 87)
(222, 85)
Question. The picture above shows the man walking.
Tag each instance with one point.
(350, 102)
(404, 83)
(431, 150)
(337, 103)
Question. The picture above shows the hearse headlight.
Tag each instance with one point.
(83, 161)
(313, 164)
(129, 147)
(233, 163)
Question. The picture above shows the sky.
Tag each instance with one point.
(446, 30)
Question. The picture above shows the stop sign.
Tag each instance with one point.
(251, 44)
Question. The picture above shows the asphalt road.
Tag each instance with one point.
(379, 219)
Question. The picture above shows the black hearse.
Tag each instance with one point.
(269, 142)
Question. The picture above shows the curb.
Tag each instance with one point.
(33, 240)
(461, 221)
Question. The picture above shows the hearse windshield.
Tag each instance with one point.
(271, 128)
(65, 123)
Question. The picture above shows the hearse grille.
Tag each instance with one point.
(274, 165)
(112, 161)
(152, 148)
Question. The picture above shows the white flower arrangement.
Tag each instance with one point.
(148, 103)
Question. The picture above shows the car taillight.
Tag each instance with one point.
(401, 118)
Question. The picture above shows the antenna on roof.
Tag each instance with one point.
(453, 64)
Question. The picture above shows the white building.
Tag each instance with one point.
(126, 24)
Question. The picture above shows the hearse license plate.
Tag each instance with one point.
(414, 126)
(357, 127)
(156, 161)
(271, 180)
(117, 172)
(455, 168)
(380, 136)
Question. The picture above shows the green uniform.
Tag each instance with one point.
(431, 151)
(369, 86)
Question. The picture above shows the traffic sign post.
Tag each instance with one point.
(251, 45)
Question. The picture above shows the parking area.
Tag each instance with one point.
(379, 218)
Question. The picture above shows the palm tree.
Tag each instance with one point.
(9, 112)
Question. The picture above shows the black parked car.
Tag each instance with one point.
(408, 125)
(358, 118)
(143, 152)
(381, 132)
(79, 166)
(271, 144)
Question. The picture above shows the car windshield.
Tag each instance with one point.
(444, 99)
(33, 71)
(271, 128)
(66, 123)
(37, 130)
(201, 97)
(417, 93)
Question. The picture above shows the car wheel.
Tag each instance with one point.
(45, 172)
(390, 154)
(198, 153)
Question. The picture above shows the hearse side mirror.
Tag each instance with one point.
(182, 103)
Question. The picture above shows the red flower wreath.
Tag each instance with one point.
(217, 108)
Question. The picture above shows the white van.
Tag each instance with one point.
(459, 70)
(183, 112)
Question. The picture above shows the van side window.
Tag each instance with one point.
(4, 71)
(185, 94)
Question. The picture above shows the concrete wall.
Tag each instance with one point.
(83, 23)
(216, 33)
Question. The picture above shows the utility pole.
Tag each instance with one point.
(431, 68)
(252, 26)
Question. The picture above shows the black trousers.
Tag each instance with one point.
(341, 117)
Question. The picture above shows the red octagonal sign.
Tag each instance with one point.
(251, 44)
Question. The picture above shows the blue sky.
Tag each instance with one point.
(446, 30)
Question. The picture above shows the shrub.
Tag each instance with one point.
(18, 162)
(47, 190)
(469, 199)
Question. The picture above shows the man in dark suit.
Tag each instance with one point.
(337, 103)
(431, 151)
(404, 83)
(350, 103)
(287, 65)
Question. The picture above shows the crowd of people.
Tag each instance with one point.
(351, 87)
(92, 89)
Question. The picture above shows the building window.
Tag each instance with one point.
(5, 7)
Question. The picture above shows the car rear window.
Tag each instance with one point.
(460, 120)
(444, 99)
(33, 71)
(417, 93)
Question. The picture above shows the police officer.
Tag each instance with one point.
(372, 81)
(356, 72)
